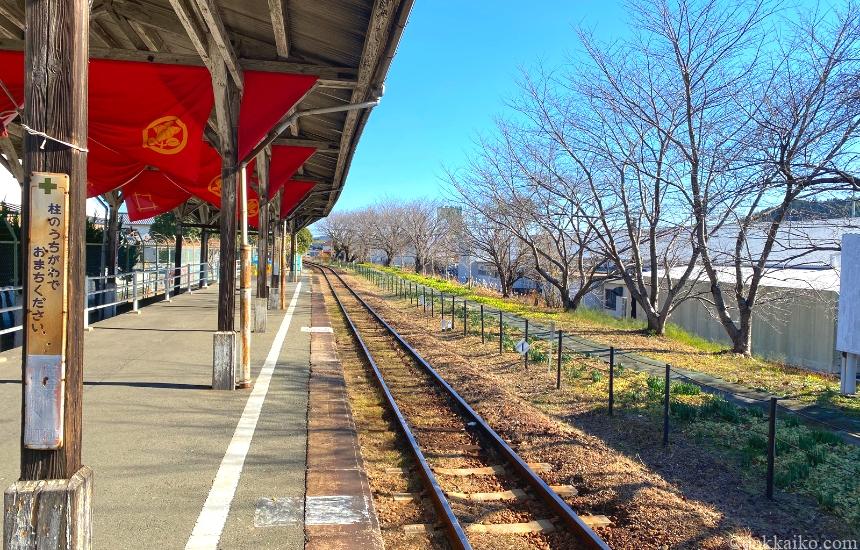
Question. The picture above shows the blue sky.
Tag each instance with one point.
(457, 64)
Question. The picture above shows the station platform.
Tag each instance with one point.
(167, 451)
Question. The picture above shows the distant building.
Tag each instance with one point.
(795, 320)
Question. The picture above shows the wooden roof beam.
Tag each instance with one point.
(281, 26)
(195, 34)
(331, 76)
(319, 145)
(212, 17)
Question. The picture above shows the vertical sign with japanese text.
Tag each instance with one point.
(47, 310)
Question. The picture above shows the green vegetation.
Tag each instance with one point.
(304, 239)
(809, 461)
(678, 347)
(165, 224)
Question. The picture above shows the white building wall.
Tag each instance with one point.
(798, 329)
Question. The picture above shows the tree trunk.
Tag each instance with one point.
(742, 339)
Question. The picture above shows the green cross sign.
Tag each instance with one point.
(47, 186)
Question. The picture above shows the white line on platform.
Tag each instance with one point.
(210, 522)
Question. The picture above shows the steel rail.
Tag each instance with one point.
(583, 532)
(456, 534)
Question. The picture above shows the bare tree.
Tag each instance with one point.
(424, 229)
(805, 118)
(347, 234)
(387, 223)
(495, 244)
(509, 184)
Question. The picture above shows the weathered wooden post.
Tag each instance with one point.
(245, 289)
(293, 275)
(177, 253)
(204, 259)
(227, 100)
(282, 287)
(274, 292)
(260, 302)
(54, 495)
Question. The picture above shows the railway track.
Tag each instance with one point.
(484, 494)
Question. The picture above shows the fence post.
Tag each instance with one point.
(771, 447)
(501, 332)
(432, 303)
(482, 323)
(424, 298)
(666, 408)
(465, 318)
(442, 303)
(167, 285)
(453, 309)
(611, 380)
(134, 303)
(558, 363)
(526, 340)
(188, 277)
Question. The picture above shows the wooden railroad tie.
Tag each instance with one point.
(488, 470)
(513, 494)
(537, 526)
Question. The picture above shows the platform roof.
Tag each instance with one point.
(349, 44)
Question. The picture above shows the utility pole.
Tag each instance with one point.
(54, 495)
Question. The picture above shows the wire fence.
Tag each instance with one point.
(668, 393)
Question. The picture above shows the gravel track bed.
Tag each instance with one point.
(680, 498)
(438, 429)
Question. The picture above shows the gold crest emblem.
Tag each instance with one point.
(253, 208)
(214, 186)
(167, 135)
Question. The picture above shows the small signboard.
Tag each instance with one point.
(446, 325)
(46, 310)
(522, 347)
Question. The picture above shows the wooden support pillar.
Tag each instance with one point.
(263, 160)
(282, 287)
(55, 49)
(227, 101)
(177, 255)
(204, 258)
(292, 250)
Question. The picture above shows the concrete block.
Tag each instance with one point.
(54, 514)
(224, 362)
(260, 312)
(274, 298)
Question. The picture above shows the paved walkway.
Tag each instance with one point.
(156, 435)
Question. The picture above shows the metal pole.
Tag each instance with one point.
(501, 332)
(424, 297)
(771, 447)
(453, 305)
(526, 340)
(558, 364)
(465, 318)
(611, 380)
(482, 323)
(666, 408)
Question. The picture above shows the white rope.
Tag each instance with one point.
(47, 137)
